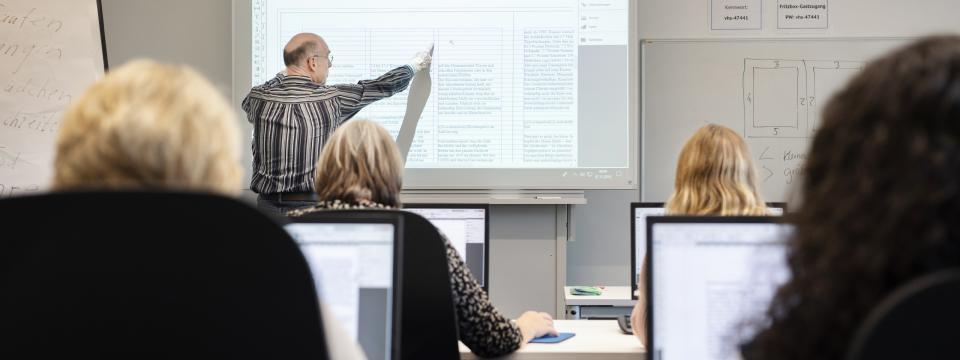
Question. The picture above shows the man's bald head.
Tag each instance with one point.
(301, 47)
(308, 55)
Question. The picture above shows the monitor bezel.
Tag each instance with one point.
(634, 275)
(653, 221)
(486, 233)
(375, 217)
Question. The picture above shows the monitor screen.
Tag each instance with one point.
(711, 280)
(639, 213)
(465, 226)
(352, 264)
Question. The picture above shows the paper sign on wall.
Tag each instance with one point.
(736, 15)
(802, 14)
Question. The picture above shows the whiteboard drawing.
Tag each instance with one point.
(783, 98)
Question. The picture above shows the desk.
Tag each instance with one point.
(595, 339)
(613, 302)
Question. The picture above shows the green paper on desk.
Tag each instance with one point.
(586, 290)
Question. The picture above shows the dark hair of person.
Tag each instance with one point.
(298, 54)
(880, 201)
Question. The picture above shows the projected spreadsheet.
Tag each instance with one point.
(505, 73)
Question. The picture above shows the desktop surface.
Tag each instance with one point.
(611, 296)
(710, 281)
(352, 265)
(595, 339)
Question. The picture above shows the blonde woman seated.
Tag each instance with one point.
(152, 126)
(360, 167)
(715, 176)
(149, 125)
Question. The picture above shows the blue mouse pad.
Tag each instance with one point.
(552, 339)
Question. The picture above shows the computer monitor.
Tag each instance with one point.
(467, 227)
(709, 282)
(639, 212)
(353, 265)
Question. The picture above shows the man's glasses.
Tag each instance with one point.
(329, 58)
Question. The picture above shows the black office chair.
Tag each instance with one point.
(917, 321)
(134, 275)
(427, 317)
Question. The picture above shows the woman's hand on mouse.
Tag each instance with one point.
(535, 324)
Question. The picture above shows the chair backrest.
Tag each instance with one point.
(917, 321)
(152, 275)
(428, 324)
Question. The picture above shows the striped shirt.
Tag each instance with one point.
(293, 117)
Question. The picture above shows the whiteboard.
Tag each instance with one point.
(50, 51)
(508, 142)
(770, 91)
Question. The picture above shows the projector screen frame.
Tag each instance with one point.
(527, 179)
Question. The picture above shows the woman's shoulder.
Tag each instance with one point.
(306, 211)
(337, 205)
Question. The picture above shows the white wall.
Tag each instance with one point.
(191, 32)
(684, 19)
(600, 251)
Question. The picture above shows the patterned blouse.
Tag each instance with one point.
(482, 328)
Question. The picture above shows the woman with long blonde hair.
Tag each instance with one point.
(715, 176)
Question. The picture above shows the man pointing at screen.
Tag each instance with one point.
(294, 114)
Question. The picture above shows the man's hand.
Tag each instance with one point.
(422, 60)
